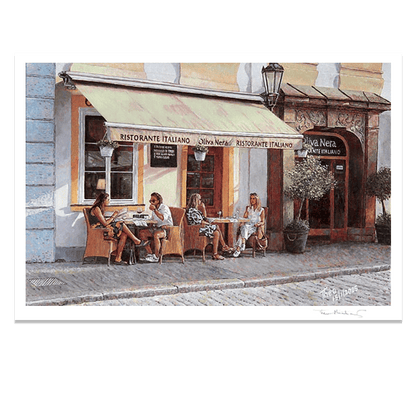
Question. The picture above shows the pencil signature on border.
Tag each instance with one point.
(341, 312)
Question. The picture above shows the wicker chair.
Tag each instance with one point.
(254, 242)
(98, 244)
(174, 244)
(193, 240)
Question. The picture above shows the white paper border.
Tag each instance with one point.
(298, 313)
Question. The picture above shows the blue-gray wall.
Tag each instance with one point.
(40, 162)
(384, 142)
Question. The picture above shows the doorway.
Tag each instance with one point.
(205, 178)
(328, 217)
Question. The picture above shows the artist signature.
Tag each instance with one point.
(341, 312)
(337, 294)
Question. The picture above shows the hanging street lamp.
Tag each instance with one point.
(272, 79)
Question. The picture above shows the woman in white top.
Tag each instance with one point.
(255, 213)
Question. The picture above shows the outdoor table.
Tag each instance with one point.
(227, 221)
(134, 255)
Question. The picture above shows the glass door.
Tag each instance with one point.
(205, 178)
(328, 216)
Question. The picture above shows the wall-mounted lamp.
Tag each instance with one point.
(101, 185)
(272, 79)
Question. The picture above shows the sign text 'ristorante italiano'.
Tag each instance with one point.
(148, 137)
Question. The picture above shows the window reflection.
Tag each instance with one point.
(207, 197)
(122, 159)
(93, 158)
(94, 128)
(121, 185)
(121, 167)
(90, 184)
(200, 179)
(207, 180)
(208, 164)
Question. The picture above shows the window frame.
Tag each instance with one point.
(83, 113)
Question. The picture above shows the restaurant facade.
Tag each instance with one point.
(158, 113)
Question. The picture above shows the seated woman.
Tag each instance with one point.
(197, 214)
(255, 213)
(116, 229)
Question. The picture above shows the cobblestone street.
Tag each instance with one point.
(370, 289)
(211, 282)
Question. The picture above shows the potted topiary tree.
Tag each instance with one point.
(379, 185)
(308, 179)
(200, 152)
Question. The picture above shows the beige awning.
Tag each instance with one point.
(157, 116)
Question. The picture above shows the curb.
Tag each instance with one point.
(206, 285)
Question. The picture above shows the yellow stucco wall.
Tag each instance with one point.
(128, 70)
(300, 73)
(362, 77)
(210, 75)
(223, 76)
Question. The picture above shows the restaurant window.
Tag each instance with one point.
(120, 172)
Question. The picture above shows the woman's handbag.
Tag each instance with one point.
(131, 255)
(109, 233)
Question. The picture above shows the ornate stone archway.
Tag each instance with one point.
(329, 109)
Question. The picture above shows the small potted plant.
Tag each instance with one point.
(308, 179)
(200, 152)
(107, 146)
(379, 185)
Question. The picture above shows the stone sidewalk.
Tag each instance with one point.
(72, 283)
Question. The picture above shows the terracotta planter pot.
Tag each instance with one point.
(383, 234)
(295, 242)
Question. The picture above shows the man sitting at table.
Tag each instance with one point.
(162, 215)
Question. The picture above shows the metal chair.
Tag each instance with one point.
(175, 243)
(98, 243)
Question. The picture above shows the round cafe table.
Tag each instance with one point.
(132, 253)
(228, 222)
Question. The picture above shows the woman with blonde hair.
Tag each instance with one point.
(196, 214)
(255, 213)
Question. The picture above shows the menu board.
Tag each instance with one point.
(163, 155)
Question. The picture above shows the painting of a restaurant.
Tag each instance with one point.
(252, 121)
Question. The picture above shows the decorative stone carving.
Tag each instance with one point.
(353, 122)
(308, 119)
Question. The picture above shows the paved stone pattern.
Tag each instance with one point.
(369, 289)
(99, 282)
